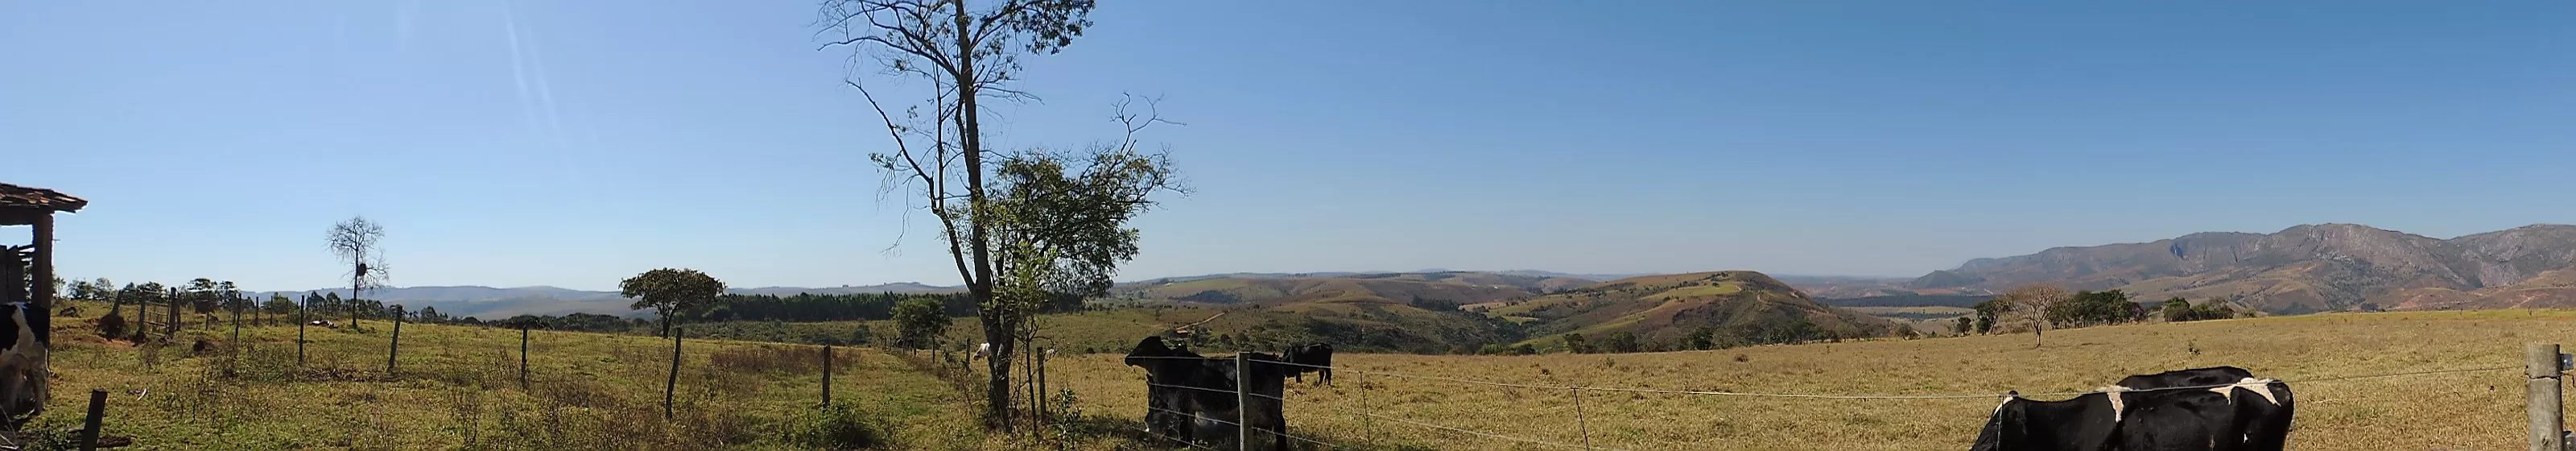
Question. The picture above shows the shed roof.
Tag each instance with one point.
(21, 205)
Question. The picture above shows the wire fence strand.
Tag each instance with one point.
(1578, 391)
(1475, 432)
(1230, 423)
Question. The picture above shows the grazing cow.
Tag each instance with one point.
(981, 350)
(24, 380)
(1192, 397)
(1320, 355)
(2205, 409)
(324, 324)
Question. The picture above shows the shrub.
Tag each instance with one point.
(836, 426)
(112, 325)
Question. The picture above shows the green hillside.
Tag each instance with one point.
(1687, 311)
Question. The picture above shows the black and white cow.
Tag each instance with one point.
(2265, 404)
(1192, 397)
(1319, 355)
(2223, 408)
(24, 379)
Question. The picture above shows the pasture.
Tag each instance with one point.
(2474, 410)
(457, 387)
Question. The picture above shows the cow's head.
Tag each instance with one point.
(24, 381)
(1146, 352)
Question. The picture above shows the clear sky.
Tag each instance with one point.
(574, 143)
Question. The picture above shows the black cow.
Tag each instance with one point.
(1192, 397)
(1319, 355)
(2189, 410)
(2266, 405)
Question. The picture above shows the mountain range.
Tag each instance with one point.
(2304, 269)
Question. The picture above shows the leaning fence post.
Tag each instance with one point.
(2540, 363)
(97, 411)
(827, 375)
(1242, 402)
(1580, 424)
(396, 348)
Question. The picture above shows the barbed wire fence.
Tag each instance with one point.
(1584, 429)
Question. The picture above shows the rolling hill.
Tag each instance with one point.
(2303, 269)
(1450, 287)
(1666, 309)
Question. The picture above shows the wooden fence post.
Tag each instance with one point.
(396, 349)
(523, 357)
(174, 313)
(2540, 363)
(827, 375)
(97, 412)
(1242, 401)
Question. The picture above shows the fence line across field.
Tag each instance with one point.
(1584, 423)
(1812, 395)
(1230, 423)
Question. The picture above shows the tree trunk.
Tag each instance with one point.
(997, 388)
(2036, 328)
(997, 328)
(671, 388)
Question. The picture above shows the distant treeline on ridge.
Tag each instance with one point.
(1911, 300)
(803, 307)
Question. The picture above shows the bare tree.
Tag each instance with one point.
(356, 241)
(2035, 301)
(968, 54)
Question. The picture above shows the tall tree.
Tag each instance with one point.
(358, 241)
(672, 293)
(968, 54)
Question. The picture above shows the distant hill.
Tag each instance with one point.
(1449, 287)
(1667, 308)
(2306, 268)
(489, 302)
(1303, 275)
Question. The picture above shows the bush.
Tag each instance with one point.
(836, 426)
(112, 326)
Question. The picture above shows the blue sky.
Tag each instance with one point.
(574, 143)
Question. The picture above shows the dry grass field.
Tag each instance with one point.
(457, 388)
(2480, 410)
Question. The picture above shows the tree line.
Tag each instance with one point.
(2042, 307)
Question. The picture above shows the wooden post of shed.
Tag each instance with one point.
(2540, 363)
(43, 299)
